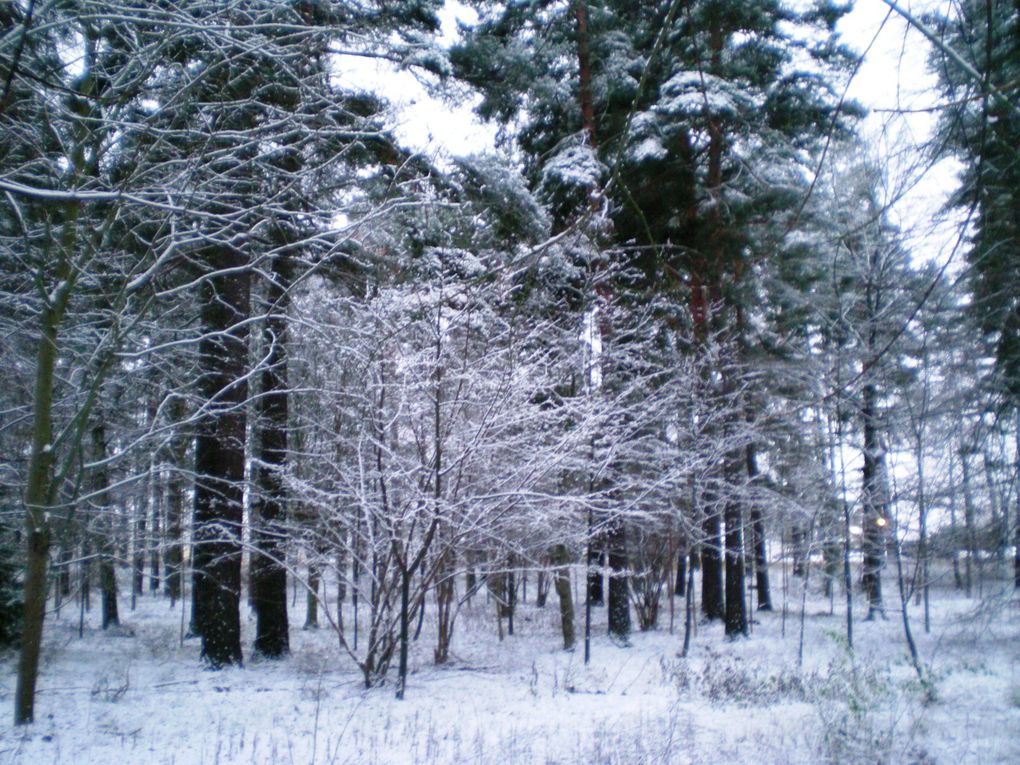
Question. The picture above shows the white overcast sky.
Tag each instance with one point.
(895, 83)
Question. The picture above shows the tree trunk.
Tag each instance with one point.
(584, 73)
(873, 504)
(31, 636)
(176, 490)
(269, 508)
(588, 593)
(683, 551)
(107, 536)
(405, 619)
(108, 591)
(156, 526)
(38, 487)
(220, 457)
(64, 575)
(848, 577)
(736, 603)
(174, 560)
(954, 529)
(712, 603)
(619, 584)
(1016, 499)
(923, 563)
(312, 597)
(37, 523)
(356, 579)
(138, 545)
(596, 573)
(510, 594)
(341, 572)
(798, 541)
(761, 557)
(85, 570)
(970, 524)
(999, 515)
(541, 588)
(445, 597)
(688, 612)
(561, 560)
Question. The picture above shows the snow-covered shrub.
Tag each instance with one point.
(862, 717)
(112, 685)
(730, 679)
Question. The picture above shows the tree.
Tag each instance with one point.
(173, 109)
(64, 124)
(978, 60)
(874, 296)
(269, 574)
(698, 119)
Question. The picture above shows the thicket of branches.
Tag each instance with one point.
(249, 339)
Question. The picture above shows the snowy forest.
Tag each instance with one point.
(658, 430)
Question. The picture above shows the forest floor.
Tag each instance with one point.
(141, 697)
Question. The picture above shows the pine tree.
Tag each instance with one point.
(873, 292)
(702, 115)
(981, 127)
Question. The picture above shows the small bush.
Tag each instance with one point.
(728, 679)
(862, 718)
(111, 688)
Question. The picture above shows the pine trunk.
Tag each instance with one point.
(970, 527)
(874, 504)
(138, 545)
(1016, 499)
(155, 526)
(561, 561)
(107, 536)
(269, 508)
(220, 457)
(596, 573)
(312, 598)
(954, 530)
(445, 598)
(712, 602)
(173, 563)
(761, 558)
(736, 603)
(619, 582)
(681, 567)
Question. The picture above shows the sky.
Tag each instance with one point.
(896, 85)
(424, 122)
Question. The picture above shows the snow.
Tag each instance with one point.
(575, 166)
(646, 149)
(693, 92)
(141, 697)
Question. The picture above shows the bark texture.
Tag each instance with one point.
(219, 458)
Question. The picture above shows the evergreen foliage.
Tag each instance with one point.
(981, 126)
(11, 602)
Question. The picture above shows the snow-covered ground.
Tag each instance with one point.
(143, 698)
